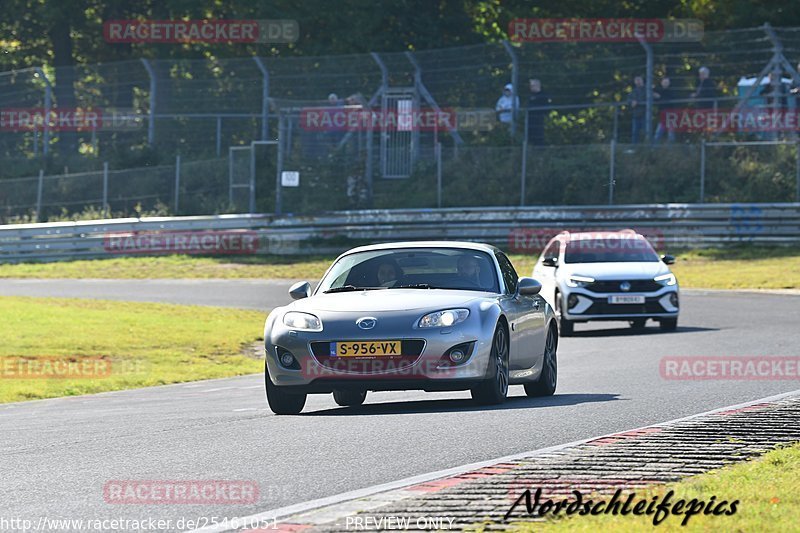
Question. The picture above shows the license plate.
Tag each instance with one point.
(367, 349)
(626, 299)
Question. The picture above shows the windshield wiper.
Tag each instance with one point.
(350, 288)
(414, 286)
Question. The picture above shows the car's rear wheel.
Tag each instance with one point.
(282, 403)
(565, 327)
(548, 379)
(348, 398)
(669, 324)
(494, 389)
(638, 323)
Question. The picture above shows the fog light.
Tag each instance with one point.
(286, 359)
(572, 301)
(673, 299)
(457, 356)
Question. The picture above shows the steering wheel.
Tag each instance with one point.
(472, 284)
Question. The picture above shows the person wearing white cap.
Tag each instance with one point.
(505, 104)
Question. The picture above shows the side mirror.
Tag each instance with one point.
(300, 290)
(550, 261)
(528, 287)
(668, 259)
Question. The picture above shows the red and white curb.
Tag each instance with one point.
(333, 508)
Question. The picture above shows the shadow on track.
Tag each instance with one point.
(627, 331)
(461, 405)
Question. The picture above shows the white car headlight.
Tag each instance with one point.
(443, 319)
(666, 280)
(579, 281)
(302, 321)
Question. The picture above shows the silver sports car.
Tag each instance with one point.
(432, 316)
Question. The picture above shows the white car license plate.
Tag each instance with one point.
(626, 299)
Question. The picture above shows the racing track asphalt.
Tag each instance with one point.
(56, 455)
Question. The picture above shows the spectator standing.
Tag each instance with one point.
(777, 98)
(705, 89)
(776, 92)
(333, 136)
(535, 118)
(665, 96)
(794, 91)
(638, 102)
(505, 105)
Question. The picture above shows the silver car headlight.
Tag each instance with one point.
(443, 319)
(666, 280)
(579, 281)
(302, 321)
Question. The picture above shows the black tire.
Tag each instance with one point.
(494, 389)
(638, 323)
(565, 327)
(349, 398)
(548, 379)
(282, 403)
(669, 324)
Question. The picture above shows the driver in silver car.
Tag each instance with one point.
(469, 269)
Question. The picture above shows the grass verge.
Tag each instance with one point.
(768, 490)
(175, 267)
(98, 346)
(751, 267)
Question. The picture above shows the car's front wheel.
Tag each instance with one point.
(565, 327)
(347, 398)
(282, 403)
(494, 389)
(669, 324)
(546, 384)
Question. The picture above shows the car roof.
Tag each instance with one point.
(425, 244)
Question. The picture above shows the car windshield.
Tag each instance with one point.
(413, 268)
(610, 250)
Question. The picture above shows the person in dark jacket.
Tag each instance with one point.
(537, 98)
(705, 89)
(638, 102)
(665, 97)
(776, 91)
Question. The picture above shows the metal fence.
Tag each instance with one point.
(216, 108)
(191, 187)
(517, 229)
(250, 180)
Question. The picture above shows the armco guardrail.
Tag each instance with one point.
(518, 229)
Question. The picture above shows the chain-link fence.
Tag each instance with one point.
(186, 188)
(358, 132)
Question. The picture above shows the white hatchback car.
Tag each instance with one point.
(615, 275)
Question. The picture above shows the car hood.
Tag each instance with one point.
(611, 271)
(388, 300)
